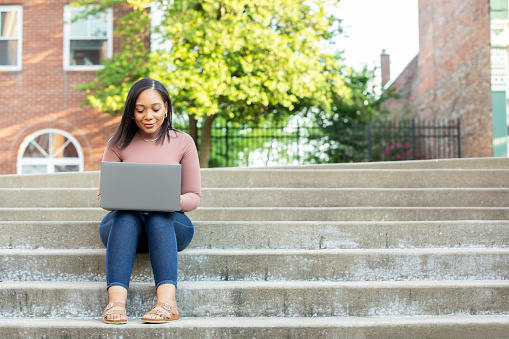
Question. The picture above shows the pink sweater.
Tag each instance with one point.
(180, 149)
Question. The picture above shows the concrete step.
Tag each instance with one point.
(265, 299)
(88, 179)
(443, 327)
(457, 163)
(349, 213)
(309, 235)
(296, 178)
(281, 197)
(351, 250)
(269, 265)
(350, 178)
(278, 214)
(356, 197)
(52, 214)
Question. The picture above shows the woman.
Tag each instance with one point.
(146, 135)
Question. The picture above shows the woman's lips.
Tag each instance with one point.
(148, 125)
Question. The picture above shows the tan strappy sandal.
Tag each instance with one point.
(108, 311)
(166, 314)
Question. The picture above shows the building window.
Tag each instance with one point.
(11, 23)
(50, 151)
(87, 41)
(499, 9)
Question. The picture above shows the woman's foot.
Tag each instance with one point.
(114, 313)
(161, 313)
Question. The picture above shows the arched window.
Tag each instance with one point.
(50, 151)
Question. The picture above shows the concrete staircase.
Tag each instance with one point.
(382, 250)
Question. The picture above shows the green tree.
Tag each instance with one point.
(364, 105)
(242, 60)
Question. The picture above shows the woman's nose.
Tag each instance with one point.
(148, 114)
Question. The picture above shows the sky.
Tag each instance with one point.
(373, 25)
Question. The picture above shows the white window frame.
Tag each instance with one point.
(19, 10)
(67, 39)
(50, 161)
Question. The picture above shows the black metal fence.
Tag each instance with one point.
(296, 143)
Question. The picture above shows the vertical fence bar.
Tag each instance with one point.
(298, 143)
(428, 135)
(450, 140)
(437, 137)
(227, 144)
(369, 142)
(445, 139)
(435, 143)
(414, 150)
(391, 133)
(442, 148)
(459, 138)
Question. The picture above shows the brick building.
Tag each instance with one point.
(44, 129)
(450, 77)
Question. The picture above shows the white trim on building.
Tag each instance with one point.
(48, 158)
(19, 36)
(89, 35)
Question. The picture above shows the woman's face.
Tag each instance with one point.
(150, 111)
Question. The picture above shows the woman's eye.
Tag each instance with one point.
(156, 110)
(139, 111)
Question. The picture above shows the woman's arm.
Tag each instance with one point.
(191, 179)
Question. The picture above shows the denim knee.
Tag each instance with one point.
(182, 225)
(119, 216)
(105, 227)
(184, 233)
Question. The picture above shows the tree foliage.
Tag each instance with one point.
(342, 129)
(238, 59)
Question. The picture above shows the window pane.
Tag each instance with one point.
(58, 142)
(33, 152)
(38, 148)
(43, 142)
(87, 52)
(499, 9)
(9, 24)
(79, 28)
(67, 168)
(63, 147)
(8, 52)
(34, 169)
(70, 151)
(93, 26)
(98, 26)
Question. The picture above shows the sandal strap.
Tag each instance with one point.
(166, 306)
(167, 314)
(108, 310)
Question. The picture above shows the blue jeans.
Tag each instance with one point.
(162, 234)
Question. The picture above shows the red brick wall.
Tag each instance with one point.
(450, 77)
(41, 94)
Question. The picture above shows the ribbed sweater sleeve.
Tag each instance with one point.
(191, 178)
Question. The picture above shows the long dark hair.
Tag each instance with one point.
(127, 128)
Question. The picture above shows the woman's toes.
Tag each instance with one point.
(115, 317)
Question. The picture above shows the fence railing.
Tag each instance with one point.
(297, 144)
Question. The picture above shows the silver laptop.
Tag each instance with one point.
(140, 187)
